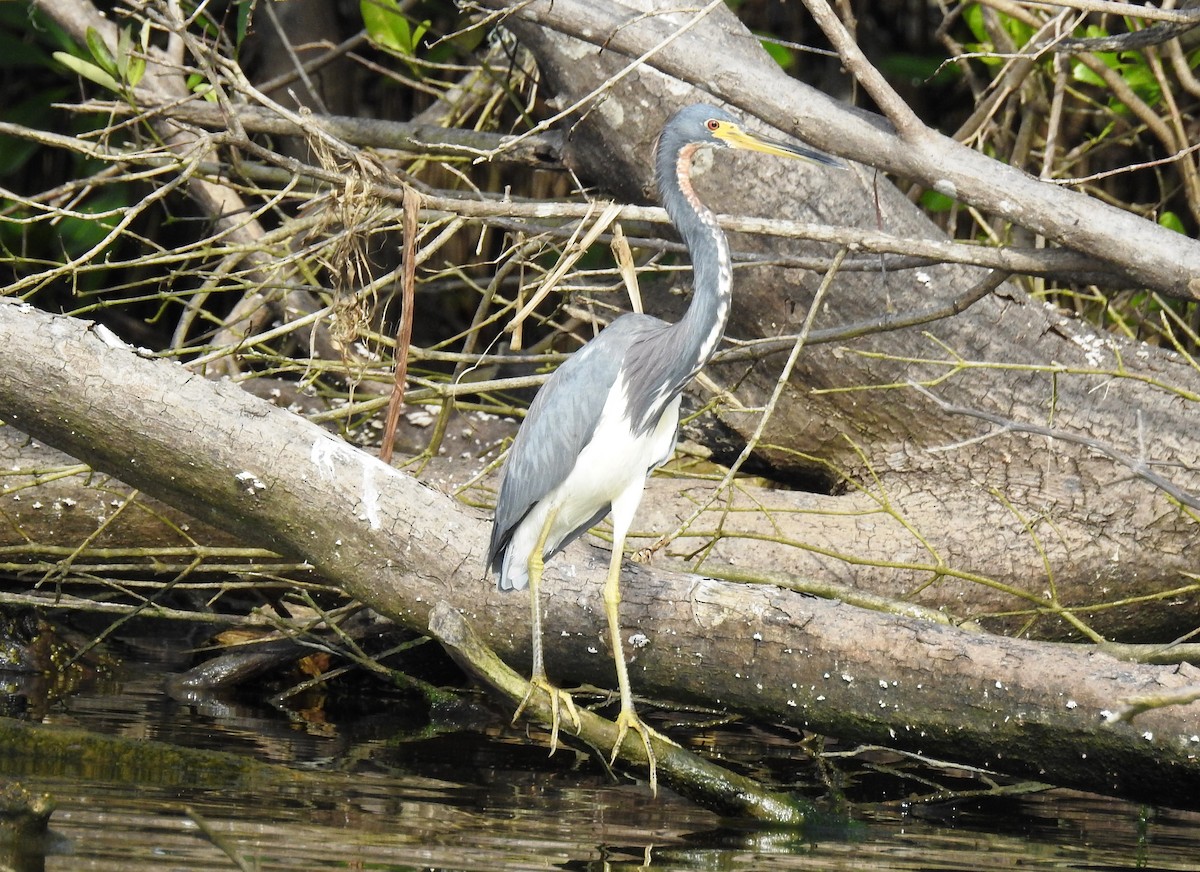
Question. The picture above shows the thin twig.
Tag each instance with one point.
(754, 348)
(636, 65)
(907, 123)
(219, 841)
(408, 280)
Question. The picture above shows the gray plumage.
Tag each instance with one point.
(608, 415)
(561, 420)
(656, 359)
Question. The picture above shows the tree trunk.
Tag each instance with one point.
(277, 481)
(1041, 533)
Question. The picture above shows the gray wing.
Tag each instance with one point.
(560, 422)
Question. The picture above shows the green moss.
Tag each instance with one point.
(62, 752)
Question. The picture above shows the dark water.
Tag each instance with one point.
(387, 792)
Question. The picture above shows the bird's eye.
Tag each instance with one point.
(712, 124)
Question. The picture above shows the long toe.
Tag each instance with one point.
(628, 720)
(559, 699)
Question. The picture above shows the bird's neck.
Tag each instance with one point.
(702, 326)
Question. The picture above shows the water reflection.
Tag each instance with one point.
(387, 791)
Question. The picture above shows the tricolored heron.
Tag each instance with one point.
(608, 416)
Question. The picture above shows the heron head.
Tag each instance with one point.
(708, 125)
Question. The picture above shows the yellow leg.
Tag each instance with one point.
(627, 719)
(538, 680)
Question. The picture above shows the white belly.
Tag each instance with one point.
(610, 471)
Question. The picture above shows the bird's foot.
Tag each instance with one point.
(628, 720)
(559, 699)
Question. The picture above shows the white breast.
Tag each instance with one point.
(610, 471)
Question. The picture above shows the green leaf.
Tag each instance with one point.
(1019, 31)
(935, 201)
(389, 28)
(124, 52)
(137, 69)
(386, 24)
(197, 84)
(1172, 221)
(1080, 73)
(100, 52)
(1105, 133)
(88, 70)
(782, 55)
(79, 233)
(1140, 77)
(417, 33)
(130, 67)
(245, 13)
(973, 16)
